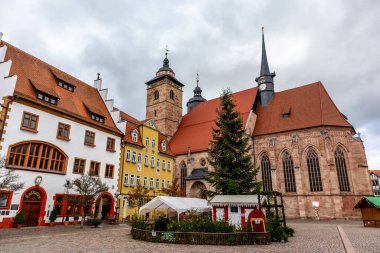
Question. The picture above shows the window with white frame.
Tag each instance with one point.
(153, 144)
(158, 183)
(145, 182)
(134, 135)
(147, 142)
(168, 184)
(134, 157)
(169, 168)
(163, 164)
(128, 155)
(146, 160)
(138, 181)
(162, 184)
(152, 162)
(163, 146)
(126, 178)
(132, 181)
(158, 163)
(151, 182)
(139, 158)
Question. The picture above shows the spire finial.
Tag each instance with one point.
(262, 29)
(98, 76)
(197, 78)
(166, 51)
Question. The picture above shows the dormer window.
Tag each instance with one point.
(134, 135)
(97, 118)
(44, 97)
(66, 86)
(285, 112)
(163, 146)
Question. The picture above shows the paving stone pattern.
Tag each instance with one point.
(310, 236)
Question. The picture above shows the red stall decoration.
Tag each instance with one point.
(257, 220)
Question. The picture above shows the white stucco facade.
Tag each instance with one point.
(75, 148)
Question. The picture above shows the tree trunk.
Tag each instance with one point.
(82, 221)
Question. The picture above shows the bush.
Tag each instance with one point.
(278, 233)
(161, 224)
(20, 217)
(53, 215)
(96, 222)
(201, 224)
(138, 222)
(289, 231)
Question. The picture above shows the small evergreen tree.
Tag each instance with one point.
(229, 153)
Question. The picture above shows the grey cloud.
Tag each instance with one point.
(335, 42)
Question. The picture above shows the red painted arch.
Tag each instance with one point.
(41, 220)
(112, 209)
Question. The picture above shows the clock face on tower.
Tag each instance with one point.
(262, 86)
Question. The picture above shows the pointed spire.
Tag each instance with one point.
(197, 98)
(264, 61)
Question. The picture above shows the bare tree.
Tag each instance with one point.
(8, 178)
(88, 187)
(174, 189)
(138, 194)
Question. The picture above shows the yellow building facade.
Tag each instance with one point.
(146, 166)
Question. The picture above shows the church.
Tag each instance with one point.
(304, 146)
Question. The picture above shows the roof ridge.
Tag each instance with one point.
(47, 64)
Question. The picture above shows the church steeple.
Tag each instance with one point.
(265, 80)
(197, 98)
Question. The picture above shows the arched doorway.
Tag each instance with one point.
(107, 206)
(197, 190)
(33, 202)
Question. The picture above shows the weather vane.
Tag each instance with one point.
(197, 78)
(166, 50)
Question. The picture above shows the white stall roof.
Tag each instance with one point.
(177, 204)
(235, 200)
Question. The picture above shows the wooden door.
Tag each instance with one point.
(105, 211)
(32, 213)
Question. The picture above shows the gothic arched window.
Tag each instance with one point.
(266, 172)
(315, 179)
(290, 182)
(156, 95)
(171, 95)
(183, 176)
(340, 162)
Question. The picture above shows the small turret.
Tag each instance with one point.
(197, 98)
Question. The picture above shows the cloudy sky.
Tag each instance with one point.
(336, 42)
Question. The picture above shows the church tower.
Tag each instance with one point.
(164, 99)
(197, 99)
(265, 80)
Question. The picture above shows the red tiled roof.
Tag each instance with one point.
(162, 138)
(30, 70)
(309, 106)
(377, 172)
(195, 130)
(133, 124)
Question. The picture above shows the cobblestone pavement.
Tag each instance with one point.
(321, 236)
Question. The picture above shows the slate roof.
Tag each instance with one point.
(198, 173)
(34, 74)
